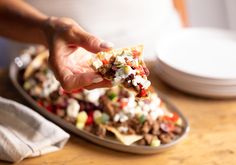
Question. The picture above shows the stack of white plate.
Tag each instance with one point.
(199, 61)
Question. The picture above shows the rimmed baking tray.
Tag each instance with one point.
(109, 143)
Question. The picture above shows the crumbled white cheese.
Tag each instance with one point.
(72, 108)
(50, 85)
(121, 75)
(155, 98)
(120, 117)
(156, 113)
(138, 110)
(119, 60)
(140, 80)
(135, 62)
(97, 63)
(146, 108)
(130, 71)
(123, 118)
(146, 84)
(116, 118)
(93, 95)
(122, 129)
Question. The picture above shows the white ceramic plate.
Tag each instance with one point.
(202, 52)
(109, 143)
(193, 78)
(194, 89)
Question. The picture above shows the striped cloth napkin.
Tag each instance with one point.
(24, 133)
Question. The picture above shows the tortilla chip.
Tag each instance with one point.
(125, 139)
(103, 64)
(35, 64)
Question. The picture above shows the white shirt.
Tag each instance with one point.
(123, 22)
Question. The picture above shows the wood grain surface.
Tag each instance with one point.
(211, 141)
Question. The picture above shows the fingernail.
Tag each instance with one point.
(106, 45)
(97, 79)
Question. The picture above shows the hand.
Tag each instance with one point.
(68, 60)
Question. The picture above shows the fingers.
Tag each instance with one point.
(103, 84)
(92, 43)
(74, 35)
(70, 81)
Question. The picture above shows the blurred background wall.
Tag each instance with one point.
(212, 13)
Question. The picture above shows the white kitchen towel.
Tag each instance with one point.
(24, 133)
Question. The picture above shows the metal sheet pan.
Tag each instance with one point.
(106, 142)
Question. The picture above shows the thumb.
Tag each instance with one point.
(93, 43)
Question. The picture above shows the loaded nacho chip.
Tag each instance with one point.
(109, 113)
(124, 67)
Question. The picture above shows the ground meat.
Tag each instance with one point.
(133, 121)
(107, 106)
(177, 130)
(88, 128)
(165, 138)
(124, 94)
(119, 124)
(135, 125)
(40, 77)
(110, 74)
(60, 112)
(54, 95)
(148, 138)
(70, 119)
(87, 106)
(131, 131)
(82, 105)
(102, 70)
(150, 120)
(146, 127)
(138, 129)
(108, 70)
(128, 81)
(114, 68)
(141, 142)
(100, 131)
(156, 128)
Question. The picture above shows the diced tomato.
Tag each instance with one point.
(171, 127)
(141, 70)
(140, 86)
(129, 63)
(49, 108)
(135, 53)
(174, 118)
(142, 73)
(123, 104)
(104, 61)
(89, 120)
(143, 93)
(40, 103)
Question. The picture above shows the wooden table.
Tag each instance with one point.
(212, 138)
